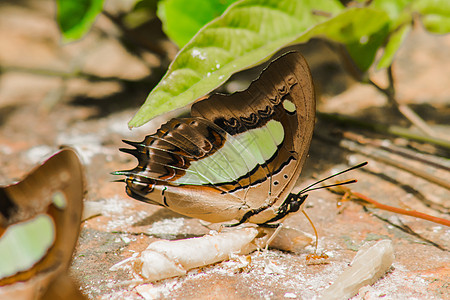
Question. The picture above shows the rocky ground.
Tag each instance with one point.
(47, 100)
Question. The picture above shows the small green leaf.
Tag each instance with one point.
(395, 41)
(435, 15)
(182, 19)
(247, 33)
(436, 23)
(363, 52)
(433, 7)
(75, 17)
(142, 12)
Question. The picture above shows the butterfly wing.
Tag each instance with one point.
(39, 224)
(236, 153)
(275, 116)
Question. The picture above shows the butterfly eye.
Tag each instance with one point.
(140, 187)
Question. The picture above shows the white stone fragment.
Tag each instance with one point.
(148, 292)
(272, 268)
(156, 266)
(163, 259)
(289, 239)
(123, 262)
(369, 264)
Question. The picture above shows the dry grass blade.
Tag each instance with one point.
(355, 196)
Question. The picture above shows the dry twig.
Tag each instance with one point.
(348, 194)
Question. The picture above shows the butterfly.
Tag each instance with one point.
(238, 156)
(39, 225)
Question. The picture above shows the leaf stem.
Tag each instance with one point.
(389, 91)
(404, 109)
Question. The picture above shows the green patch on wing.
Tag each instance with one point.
(24, 244)
(239, 155)
(289, 106)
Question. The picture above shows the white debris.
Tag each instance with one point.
(148, 291)
(272, 268)
(120, 264)
(37, 154)
(92, 209)
(163, 259)
(289, 239)
(166, 227)
(369, 264)
(87, 145)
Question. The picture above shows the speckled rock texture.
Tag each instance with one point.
(40, 112)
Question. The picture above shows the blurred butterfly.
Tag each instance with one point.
(238, 156)
(39, 225)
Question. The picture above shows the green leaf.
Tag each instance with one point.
(247, 33)
(435, 15)
(395, 41)
(361, 30)
(436, 23)
(432, 7)
(142, 12)
(363, 52)
(75, 17)
(182, 19)
(397, 10)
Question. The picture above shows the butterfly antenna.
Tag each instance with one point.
(331, 185)
(334, 175)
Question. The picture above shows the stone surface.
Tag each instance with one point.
(92, 116)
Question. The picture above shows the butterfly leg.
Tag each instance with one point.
(248, 215)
